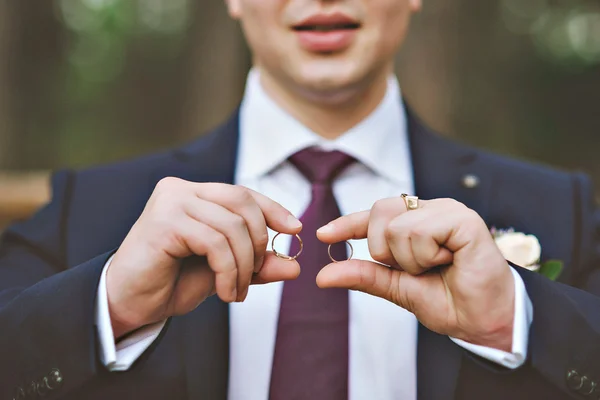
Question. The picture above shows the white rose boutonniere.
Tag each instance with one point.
(525, 251)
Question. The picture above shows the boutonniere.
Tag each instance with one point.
(525, 251)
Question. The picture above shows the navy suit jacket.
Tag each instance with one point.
(50, 267)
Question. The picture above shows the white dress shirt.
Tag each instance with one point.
(383, 336)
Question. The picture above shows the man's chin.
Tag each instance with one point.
(332, 85)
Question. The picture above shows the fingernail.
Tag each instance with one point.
(293, 222)
(325, 229)
(234, 294)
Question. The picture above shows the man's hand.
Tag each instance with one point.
(446, 268)
(191, 241)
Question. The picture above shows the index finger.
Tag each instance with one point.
(276, 216)
(235, 197)
(347, 227)
(356, 225)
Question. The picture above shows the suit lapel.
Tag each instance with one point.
(211, 158)
(205, 331)
(440, 167)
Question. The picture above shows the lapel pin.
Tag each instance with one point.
(470, 181)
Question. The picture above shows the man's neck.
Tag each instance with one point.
(331, 117)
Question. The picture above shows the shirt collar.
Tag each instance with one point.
(269, 135)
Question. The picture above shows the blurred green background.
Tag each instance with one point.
(91, 81)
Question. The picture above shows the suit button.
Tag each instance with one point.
(589, 388)
(31, 390)
(55, 379)
(574, 380)
(42, 387)
(19, 394)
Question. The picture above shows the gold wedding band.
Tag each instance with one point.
(334, 260)
(285, 256)
(412, 202)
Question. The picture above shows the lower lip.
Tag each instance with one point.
(322, 42)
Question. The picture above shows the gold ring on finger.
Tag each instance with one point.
(334, 260)
(411, 202)
(285, 256)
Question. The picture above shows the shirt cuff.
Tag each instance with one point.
(120, 356)
(522, 323)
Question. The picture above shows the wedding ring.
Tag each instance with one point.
(412, 202)
(334, 260)
(285, 256)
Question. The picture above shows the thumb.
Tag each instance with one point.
(275, 269)
(368, 277)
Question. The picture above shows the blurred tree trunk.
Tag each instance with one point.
(36, 78)
(488, 82)
(215, 70)
(7, 33)
(426, 64)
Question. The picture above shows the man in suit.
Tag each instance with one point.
(135, 280)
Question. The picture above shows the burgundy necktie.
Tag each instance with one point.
(311, 349)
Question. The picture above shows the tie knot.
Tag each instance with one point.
(320, 166)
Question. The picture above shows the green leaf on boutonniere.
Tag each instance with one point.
(551, 269)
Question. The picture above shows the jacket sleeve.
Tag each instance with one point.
(565, 334)
(47, 334)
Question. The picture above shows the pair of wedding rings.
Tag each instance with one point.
(411, 202)
(290, 258)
